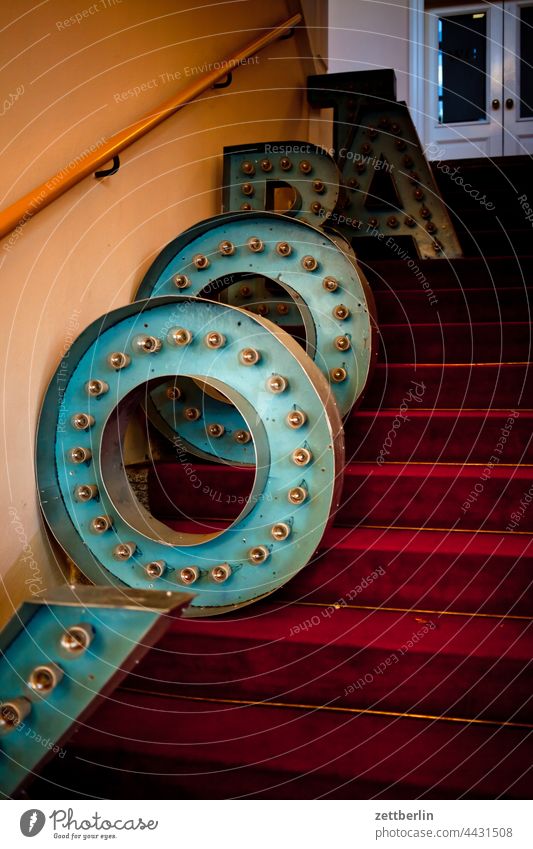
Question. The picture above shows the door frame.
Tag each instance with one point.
(518, 132)
(417, 74)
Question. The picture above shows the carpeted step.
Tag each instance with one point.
(489, 342)
(439, 435)
(412, 306)
(196, 749)
(500, 272)
(475, 666)
(411, 568)
(447, 495)
(497, 386)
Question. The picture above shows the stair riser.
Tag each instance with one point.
(498, 181)
(238, 782)
(449, 343)
(472, 219)
(412, 679)
(501, 387)
(485, 243)
(371, 495)
(475, 305)
(497, 273)
(478, 243)
(285, 752)
(453, 438)
(434, 501)
(468, 581)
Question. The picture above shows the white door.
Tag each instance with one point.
(479, 74)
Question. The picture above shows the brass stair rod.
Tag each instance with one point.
(32, 203)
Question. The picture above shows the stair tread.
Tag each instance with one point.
(526, 416)
(279, 751)
(438, 469)
(458, 325)
(405, 468)
(500, 365)
(454, 291)
(423, 540)
(361, 630)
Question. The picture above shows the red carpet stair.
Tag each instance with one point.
(398, 664)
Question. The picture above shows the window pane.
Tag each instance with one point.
(462, 67)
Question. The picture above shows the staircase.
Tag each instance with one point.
(398, 664)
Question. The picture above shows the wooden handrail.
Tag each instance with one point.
(32, 203)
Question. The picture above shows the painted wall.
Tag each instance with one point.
(368, 34)
(77, 71)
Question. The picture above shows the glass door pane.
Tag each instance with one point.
(526, 61)
(462, 68)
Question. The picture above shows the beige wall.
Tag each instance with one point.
(369, 34)
(86, 253)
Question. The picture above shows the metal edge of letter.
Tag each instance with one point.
(119, 626)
